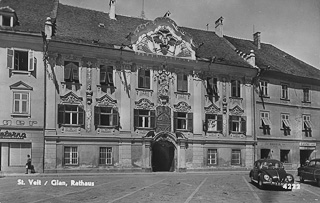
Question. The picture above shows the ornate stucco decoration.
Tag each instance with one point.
(71, 98)
(163, 37)
(144, 104)
(182, 107)
(106, 100)
(236, 110)
(212, 109)
(164, 78)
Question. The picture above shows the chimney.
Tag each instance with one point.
(112, 11)
(48, 28)
(257, 39)
(219, 27)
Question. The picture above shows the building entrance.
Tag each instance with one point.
(163, 156)
(304, 156)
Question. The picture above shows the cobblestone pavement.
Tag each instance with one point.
(148, 187)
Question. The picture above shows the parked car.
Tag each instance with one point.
(311, 171)
(270, 172)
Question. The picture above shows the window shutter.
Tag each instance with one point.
(243, 124)
(10, 53)
(153, 118)
(175, 121)
(230, 123)
(190, 122)
(96, 115)
(219, 123)
(67, 72)
(31, 60)
(205, 124)
(115, 117)
(136, 118)
(61, 114)
(81, 116)
(102, 77)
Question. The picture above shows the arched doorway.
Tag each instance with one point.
(163, 156)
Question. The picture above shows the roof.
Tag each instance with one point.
(81, 25)
(31, 13)
(269, 56)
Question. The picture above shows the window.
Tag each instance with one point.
(144, 118)
(18, 153)
(284, 156)
(21, 60)
(21, 103)
(213, 123)
(71, 72)
(285, 124)
(264, 88)
(105, 116)
(212, 156)
(106, 75)
(235, 88)
(236, 157)
(70, 114)
(70, 155)
(183, 121)
(307, 125)
(284, 92)
(237, 124)
(6, 20)
(265, 122)
(265, 154)
(105, 155)
(182, 82)
(306, 94)
(144, 79)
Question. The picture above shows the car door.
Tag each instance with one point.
(309, 170)
(256, 170)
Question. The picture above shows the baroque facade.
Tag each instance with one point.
(123, 93)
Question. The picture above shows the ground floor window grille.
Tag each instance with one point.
(212, 156)
(105, 155)
(236, 157)
(70, 155)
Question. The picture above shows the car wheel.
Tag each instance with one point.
(301, 179)
(260, 184)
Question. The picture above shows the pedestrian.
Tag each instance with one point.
(29, 165)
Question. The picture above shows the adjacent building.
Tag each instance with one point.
(119, 93)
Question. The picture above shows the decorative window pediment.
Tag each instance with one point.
(106, 100)
(144, 104)
(212, 109)
(182, 107)
(237, 110)
(71, 98)
(8, 17)
(20, 86)
(163, 37)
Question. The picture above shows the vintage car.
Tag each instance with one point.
(270, 172)
(311, 171)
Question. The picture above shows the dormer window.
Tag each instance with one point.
(8, 17)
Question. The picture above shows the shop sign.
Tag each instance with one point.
(308, 144)
(12, 135)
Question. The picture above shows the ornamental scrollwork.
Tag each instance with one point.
(182, 107)
(144, 104)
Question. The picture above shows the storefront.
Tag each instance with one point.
(15, 145)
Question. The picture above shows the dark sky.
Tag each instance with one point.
(291, 25)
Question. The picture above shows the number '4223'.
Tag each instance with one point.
(291, 186)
